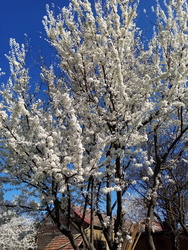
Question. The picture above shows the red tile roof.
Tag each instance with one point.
(62, 243)
(79, 212)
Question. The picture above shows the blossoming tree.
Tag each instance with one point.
(17, 232)
(81, 140)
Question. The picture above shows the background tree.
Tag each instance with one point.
(17, 232)
(173, 199)
(116, 106)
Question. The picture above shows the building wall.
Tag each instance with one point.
(98, 236)
(162, 242)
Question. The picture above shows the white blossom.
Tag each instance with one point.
(18, 233)
(150, 171)
(112, 105)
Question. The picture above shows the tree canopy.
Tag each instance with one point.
(111, 107)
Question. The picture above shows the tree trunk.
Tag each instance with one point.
(175, 241)
(148, 228)
(149, 239)
(151, 203)
(119, 218)
(92, 212)
(72, 241)
(109, 214)
(106, 233)
(88, 244)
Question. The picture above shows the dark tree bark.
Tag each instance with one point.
(148, 228)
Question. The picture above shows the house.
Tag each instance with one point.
(136, 230)
(50, 238)
(163, 239)
(62, 242)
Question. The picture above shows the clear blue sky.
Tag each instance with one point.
(19, 17)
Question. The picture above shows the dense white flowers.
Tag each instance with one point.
(17, 233)
(117, 107)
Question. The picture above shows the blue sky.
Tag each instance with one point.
(19, 17)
